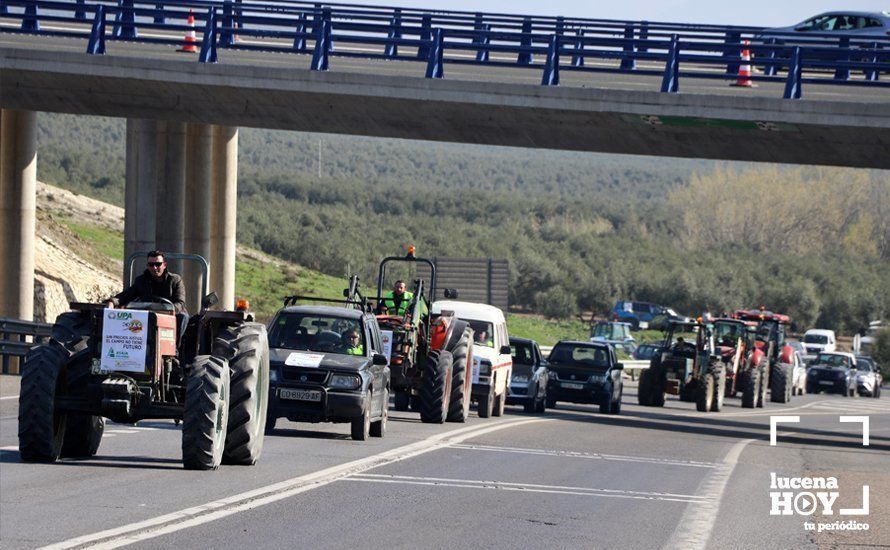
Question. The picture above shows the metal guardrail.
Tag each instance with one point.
(17, 337)
(547, 44)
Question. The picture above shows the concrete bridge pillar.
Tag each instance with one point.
(198, 206)
(143, 143)
(18, 222)
(170, 199)
(222, 232)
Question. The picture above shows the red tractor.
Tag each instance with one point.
(779, 356)
(744, 362)
(431, 358)
(132, 364)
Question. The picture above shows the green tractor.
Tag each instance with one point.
(688, 366)
(430, 358)
(132, 364)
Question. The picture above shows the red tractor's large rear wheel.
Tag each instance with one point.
(462, 357)
(435, 387)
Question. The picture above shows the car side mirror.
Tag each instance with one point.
(619, 366)
(506, 350)
(451, 293)
(210, 300)
(380, 360)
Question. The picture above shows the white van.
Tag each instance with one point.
(817, 340)
(492, 362)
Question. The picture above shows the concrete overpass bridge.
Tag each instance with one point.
(542, 83)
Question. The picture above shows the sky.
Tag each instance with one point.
(766, 13)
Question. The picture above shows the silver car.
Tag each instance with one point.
(855, 24)
(868, 377)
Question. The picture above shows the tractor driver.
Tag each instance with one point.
(396, 302)
(157, 282)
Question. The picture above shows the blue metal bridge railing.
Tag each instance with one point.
(672, 51)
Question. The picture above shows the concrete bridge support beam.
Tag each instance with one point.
(170, 199)
(143, 145)
(198, 207)
(222, 232)
(18, 221)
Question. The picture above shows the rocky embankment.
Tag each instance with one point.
(62, 272)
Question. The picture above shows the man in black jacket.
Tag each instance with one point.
(156, 281)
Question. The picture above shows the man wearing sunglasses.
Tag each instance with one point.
(155, 282)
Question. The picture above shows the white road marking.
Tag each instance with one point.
(10, 448)
(9, 397)
(212, 511)
(694, 528)
(125, 431)
(590, 456)
(525, 487)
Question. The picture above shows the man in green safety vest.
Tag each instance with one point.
(396, 302)
(353, 342)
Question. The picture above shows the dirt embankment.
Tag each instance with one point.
(64, 271)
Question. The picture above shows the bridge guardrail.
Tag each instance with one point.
(546, 44)
(17, 337)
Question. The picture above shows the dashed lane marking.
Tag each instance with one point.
(9, 397)
(589, 456)
(525, 487)
(218, 509)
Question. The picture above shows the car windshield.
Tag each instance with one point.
(482, 333)
(827, 22)
(609, 331)
(863, 364)
(313, 332)
(646, 351)
(577, 354)
(728, 334)
(815, 339)
(671, 312)
(830, 360)
(523, 354)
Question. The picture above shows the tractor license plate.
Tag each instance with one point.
(572, 386)
(826, 382)
(299, 395)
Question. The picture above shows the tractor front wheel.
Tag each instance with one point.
(41, 427)
(205, 414)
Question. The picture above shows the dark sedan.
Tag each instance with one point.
(832, 372)
(327, 366)
(528, 386)
(585, 372)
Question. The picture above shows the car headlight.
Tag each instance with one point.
(345, 382)
(598, 378)
(520, 378)
(273, 375)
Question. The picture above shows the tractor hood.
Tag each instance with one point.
(313, 359)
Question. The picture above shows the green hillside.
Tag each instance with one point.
(580, 230)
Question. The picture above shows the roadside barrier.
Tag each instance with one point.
(17, 337)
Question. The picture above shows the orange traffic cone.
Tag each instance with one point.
(191, 42)
(744, 78)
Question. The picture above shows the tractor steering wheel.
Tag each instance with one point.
(165, 301)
